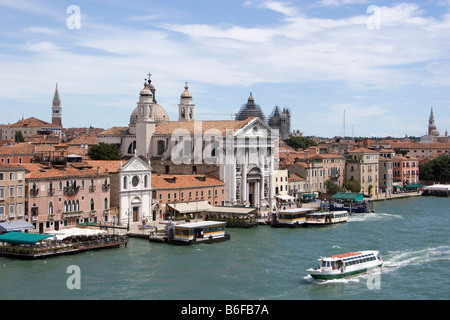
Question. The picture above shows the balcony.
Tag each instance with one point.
(70, 191)
(51, 191)
(34, 192)
(91, 188)
(105, 187)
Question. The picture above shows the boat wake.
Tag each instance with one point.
(373, 216)
(396, 260)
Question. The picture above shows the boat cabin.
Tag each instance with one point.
(291, 217)
(197, 232)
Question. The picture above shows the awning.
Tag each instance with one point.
(70, 232)
(397, 187)
(348, 196)
(23, 238)
(285, 197)
(310, 195)
(16, 225)
(415, 186)
(232, 210)
(190, 207)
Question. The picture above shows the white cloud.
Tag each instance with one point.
(336, 3)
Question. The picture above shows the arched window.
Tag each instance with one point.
(106, 203)
(92, 204)
(65, 206)
(77, 206)
(161, 147)
(145, 181)
(124, 182)
(183, 113)
(50, 208)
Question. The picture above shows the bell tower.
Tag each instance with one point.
(56, 109)
(145, 122)
(186, 106)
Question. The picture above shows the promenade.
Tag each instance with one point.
(136, 229)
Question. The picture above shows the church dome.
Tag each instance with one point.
(435, 132)
(251, 109)
(159, 114)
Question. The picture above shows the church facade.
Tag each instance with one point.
(241, 153)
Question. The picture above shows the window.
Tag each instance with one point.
(11, 176)
(11, 209)
(2, 192)
(92, 204)
(11, 191)
(124, 182)
(20, 191)
(50, 208)
(105, 203)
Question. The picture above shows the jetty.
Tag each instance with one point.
(438, 190)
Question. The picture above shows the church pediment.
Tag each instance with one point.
(136, 164)
(256, 128)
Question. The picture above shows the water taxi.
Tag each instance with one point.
(197, 232)
(290, 218)
(326, 218)
(346, 265)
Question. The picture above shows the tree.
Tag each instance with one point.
(300, 142)
(18, 137)
(104, 151)
(332, 187)
(437, 170)
(352, 185)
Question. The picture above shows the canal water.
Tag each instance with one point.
(261, 263)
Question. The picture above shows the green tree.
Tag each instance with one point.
(352, 185)
(18, 137)
(104, 151)
(437, 170)
(332, 187)
(300, 142)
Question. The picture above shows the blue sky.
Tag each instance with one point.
(383, 63)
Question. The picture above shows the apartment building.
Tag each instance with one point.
(12, 192)
(363, 166)
(172, 189)
(405, 170)
(62, 196)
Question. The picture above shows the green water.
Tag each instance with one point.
(261, 263)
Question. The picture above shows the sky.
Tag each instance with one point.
(343, 67)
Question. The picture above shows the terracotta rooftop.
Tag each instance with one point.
(169, 127)
(114, 131)
(363, 150)
(184, 181)
(17, 149)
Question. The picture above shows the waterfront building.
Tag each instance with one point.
(62, 195)
(241, 153)
(134, 191)
(296, 185)
(171, 190)
(386, 175)
(362, 165)
(12, 192)
(281, 182)
(405, 170)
